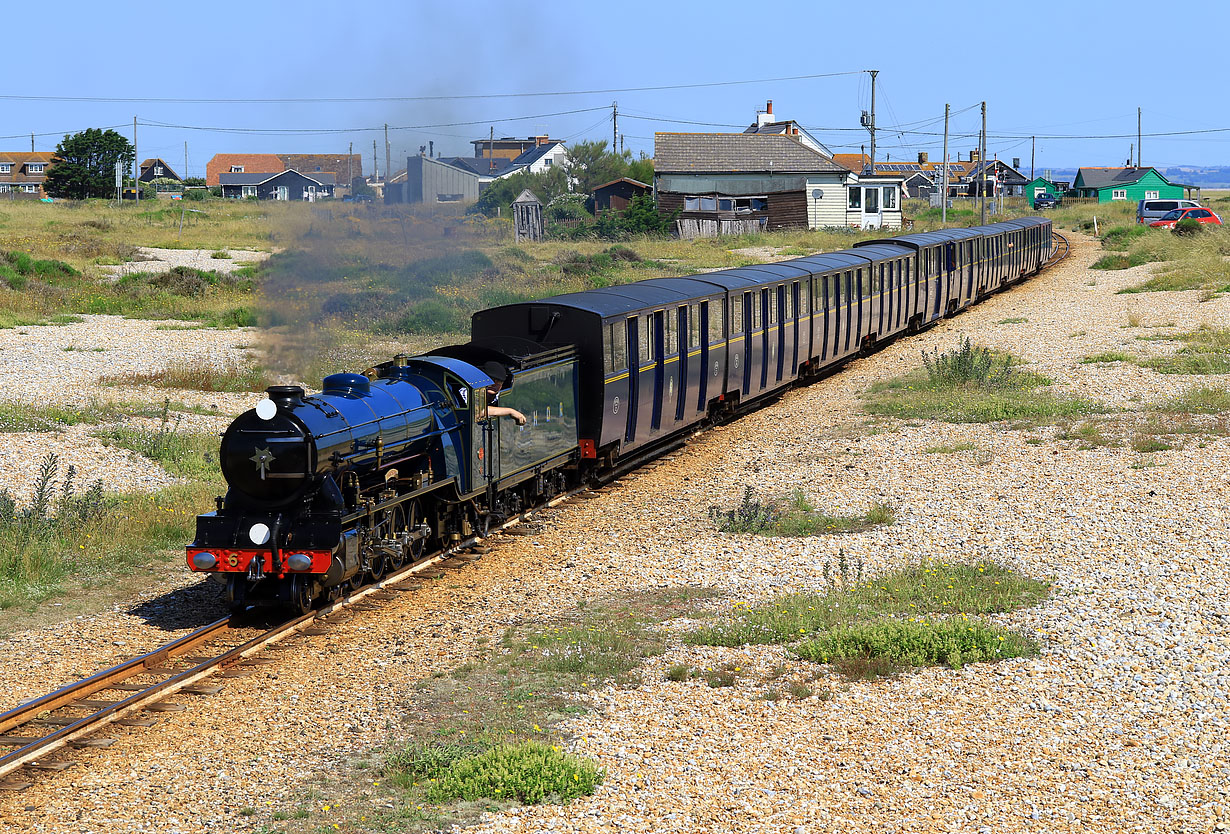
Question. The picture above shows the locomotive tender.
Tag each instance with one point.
(334, 489)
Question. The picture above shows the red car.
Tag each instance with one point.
(1200, 215)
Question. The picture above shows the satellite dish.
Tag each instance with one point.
(817, 194)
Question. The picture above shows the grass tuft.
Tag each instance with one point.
(198, 375)
(794, 515)
(955, 642)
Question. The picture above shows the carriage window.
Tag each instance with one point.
(617, 348)
(642, 337)
(670, 320)
(789, 311)
(757, 304)
(772, 305)
(805, 298)
(694, 326)
(717, 317)
(736, 315)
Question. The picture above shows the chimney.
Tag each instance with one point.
(973, 155)
(540, 140)
(764, 118)
(922, 157)
(431, 147)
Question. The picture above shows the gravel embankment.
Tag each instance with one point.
(1120, 725)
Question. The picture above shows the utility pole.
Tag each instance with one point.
(31, 143)
(375, 163)
(872, 126)
(1033, 146)
(136, 160)
(491, 148)
(185, 160)
(614, 125)
(350, 169)
(982, 161)
(388, 159)
(944, 196)
(1138, 137)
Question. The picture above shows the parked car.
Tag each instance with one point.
(1171, 218)
(1149, 210)
(1045, 200)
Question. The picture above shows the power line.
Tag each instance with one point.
(309, 131)
(378, 99)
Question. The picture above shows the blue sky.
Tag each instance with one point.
(1045, 68)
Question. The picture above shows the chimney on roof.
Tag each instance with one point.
(431, 147)
(540, 140)
(764, 118)
(922, 157)
(973, 155)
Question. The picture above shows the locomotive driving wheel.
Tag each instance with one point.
(396, 530)
(302, 594)
(414, 519)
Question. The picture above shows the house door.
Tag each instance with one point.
(872, 219)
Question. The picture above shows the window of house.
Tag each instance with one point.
(890, 196)
(6, 168)
(1149, 195)
(856, 197)
(1118, 194)
(5, 188)
(691, 203)
(34, 168)
(248, 190)
(317, 167)
(236, 169)
(547, 162)
(708, 203)
(158, 170)
(29, 189)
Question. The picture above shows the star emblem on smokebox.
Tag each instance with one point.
(262, 459)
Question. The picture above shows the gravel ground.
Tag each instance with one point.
(160, 260)
(1120, 724)
(62, 364)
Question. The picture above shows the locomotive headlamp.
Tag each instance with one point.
(299, 561)
(266, 409)
(259, 534)
(204, 561)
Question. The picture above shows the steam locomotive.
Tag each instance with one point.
(331, 490)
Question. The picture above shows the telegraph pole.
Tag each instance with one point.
(350, 169)
(136, 160)
(614, 125)
(375, 162)
(1138, 137)
(388, 160)
(185, 160)
(31, 143)
(872, 126)
(1033, 146)
(944, 196)
(982, 160)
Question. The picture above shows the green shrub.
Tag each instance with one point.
(529, 772)
(1187, 227)
(792, 516)
(968, 364)
(1119, 237)
(954, 641)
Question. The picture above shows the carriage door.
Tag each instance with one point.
(782, 318)
(635, 357)
(705, 338)
(656, 338)
(970, 267)
(768, 307)
(749, 328)
(800, 308)
(687, 341)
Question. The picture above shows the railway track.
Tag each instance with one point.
(35, 733)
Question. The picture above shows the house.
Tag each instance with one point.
(162, 175)
(542, 157)
(1131, 184)
(920, 185)
(617, 194)
(1041, 185)
(997, 176)
(284, 185)
(772, 178)
(766, 125)
(508, 147)
(343, 166)
(487, 169)
(242, 163)
(22, 173)
(428, 180)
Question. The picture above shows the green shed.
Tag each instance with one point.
(1130, 184)
(1041, 185)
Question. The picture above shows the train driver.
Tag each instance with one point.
(500, 374)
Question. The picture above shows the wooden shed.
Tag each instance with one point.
(617, 194)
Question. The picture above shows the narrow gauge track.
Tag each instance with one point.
(68, 717)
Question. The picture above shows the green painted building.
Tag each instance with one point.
(1041, 185)
(1130, 184)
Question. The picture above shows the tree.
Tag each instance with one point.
(84, 164)
(590, 165)
(499, 194)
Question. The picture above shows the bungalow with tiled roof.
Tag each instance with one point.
(1130, 184)
(242, 163)
(22, 173)
(770, 178)
(284, 185)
